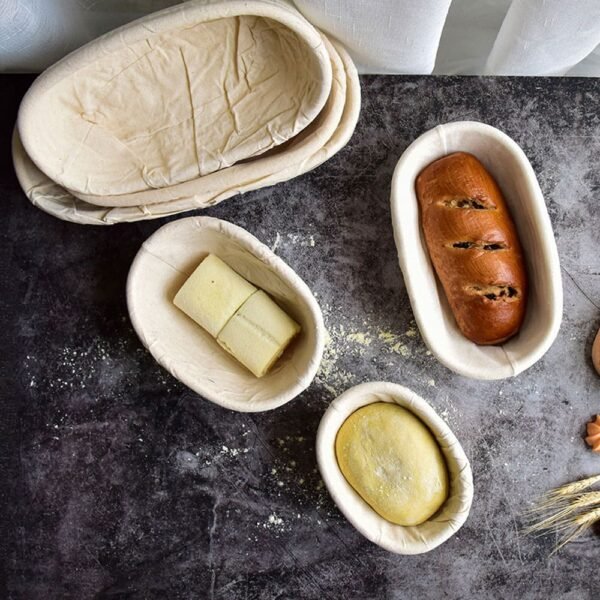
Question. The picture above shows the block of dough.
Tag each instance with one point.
(212, 294)
(394, 463)
(258, 333)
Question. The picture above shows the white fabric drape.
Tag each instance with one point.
(385, 36)
(508, 37)
(545, 36)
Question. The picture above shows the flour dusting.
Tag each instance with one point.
(348, 339)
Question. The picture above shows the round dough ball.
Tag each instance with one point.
(394, 463)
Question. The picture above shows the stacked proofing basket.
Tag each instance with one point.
(183, 109)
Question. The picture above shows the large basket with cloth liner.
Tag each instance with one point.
(183, 109)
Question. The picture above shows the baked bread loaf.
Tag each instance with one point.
(474, 247)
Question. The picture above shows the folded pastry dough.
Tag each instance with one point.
(183, 109)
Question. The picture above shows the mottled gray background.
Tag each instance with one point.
(118, 482)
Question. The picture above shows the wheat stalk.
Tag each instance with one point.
(573, 488)
(568, 510)
(580, 525)
(564, 512)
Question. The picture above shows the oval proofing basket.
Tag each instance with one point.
(505, 160)
(164, 262)
(395, 538)
(157, 117)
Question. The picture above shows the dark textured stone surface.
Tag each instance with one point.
(118, 482)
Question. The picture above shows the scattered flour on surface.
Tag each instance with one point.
(448, 411)
(276, 242)
(387, 336)
(275, 520)
(274, 523)
(359, 337)
(297, 239)
(293, 239)
(233, 451)
(186, 461)
(110, 364)
(347, 339)
(402, 349)
(330, 375)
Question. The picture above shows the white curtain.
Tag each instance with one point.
(503, 37)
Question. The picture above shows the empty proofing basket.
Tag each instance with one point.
(183, 109)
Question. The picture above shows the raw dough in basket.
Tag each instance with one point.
(414, 539)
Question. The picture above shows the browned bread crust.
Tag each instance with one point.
(474, 247)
